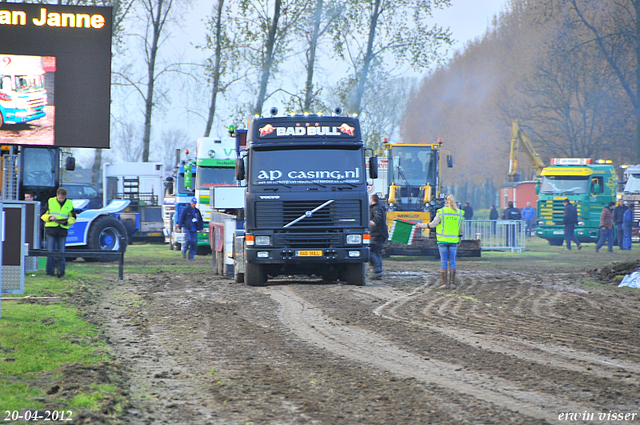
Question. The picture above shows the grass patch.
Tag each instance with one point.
(50, 355)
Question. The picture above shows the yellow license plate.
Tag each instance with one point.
(308, 253)
(155, 234)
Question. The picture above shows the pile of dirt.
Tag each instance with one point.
(613, 274)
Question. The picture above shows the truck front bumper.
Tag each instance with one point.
(583, 234)
(270, 255)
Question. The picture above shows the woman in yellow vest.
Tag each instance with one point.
(448, 224)
(58, 218)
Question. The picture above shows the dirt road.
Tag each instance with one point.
(523, 348)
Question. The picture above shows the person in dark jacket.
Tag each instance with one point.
(512, 213)
(468, 211)
(606, 227)
(618, 214)
(379, 234)
(569, 220)
(190, 222)
(493, 216)
(627, 227)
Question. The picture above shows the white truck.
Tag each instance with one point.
(215, 162)
(142, 184)
(23, 97)
(631, 195)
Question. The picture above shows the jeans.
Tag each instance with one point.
(530, 227)
(619, 236)
(56, 244)
(448, 253)
(190, 243)
(626, 238)
(375, 257)
(570, 235)
(605, 235)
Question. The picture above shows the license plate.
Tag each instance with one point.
(155, 234)
(558, 232)
(308, 253)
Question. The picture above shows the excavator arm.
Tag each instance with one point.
(518, 139)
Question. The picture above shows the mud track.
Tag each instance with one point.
(502, 348)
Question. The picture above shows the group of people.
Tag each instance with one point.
(616, 223)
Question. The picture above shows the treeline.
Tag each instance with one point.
(565, 69)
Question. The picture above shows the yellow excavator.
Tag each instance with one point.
(520, 142)
(411, 188)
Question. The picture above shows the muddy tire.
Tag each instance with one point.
(556, 242)
(104, 235)
(356, 274)
(254, 274)
(237, 277)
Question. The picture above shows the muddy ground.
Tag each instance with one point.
(503, 348)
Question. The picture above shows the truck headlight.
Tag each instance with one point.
(354, 239)
(581, 223)
(263, 240)
(540, 223)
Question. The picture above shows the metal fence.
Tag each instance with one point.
(497, 234)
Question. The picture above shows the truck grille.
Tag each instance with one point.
(553, 210)
(276, 214)
(309, 240)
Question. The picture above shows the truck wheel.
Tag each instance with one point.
(556, 242)
(356, 274)
(104, 235)
(254, 274)
(238, 277)
(202, 250)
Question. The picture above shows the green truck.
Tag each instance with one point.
(589, 185)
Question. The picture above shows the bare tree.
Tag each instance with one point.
(223, 68)
(126, 141)
(371, 29)
(615, 25)
(267, 28)
(155, 17)
(170, 141)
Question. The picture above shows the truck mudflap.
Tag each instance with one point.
(428, 247)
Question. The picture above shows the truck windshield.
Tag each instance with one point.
(39, 167)
(207, 177)
(29, 83)
(412, 165)
(294, 167)
(633, 183)
(564, 184)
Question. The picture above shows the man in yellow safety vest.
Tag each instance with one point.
(58, 218)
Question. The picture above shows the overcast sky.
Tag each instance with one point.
(467, 20)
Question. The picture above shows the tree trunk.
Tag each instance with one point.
(266, 67)
(216, 70)
(96, 170)
(151, 66)
(311, 59)
(368, 57)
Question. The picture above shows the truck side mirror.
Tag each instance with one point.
(596, 188)
(239, 169)
(70, 163)
(450, 161)
(538, 188)
(373, 167)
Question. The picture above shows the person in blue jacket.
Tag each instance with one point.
(528, 214)
(191, 222)
(627, 225)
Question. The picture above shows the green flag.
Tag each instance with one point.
(402, 231)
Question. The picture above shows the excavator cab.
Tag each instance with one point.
(411, 169)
